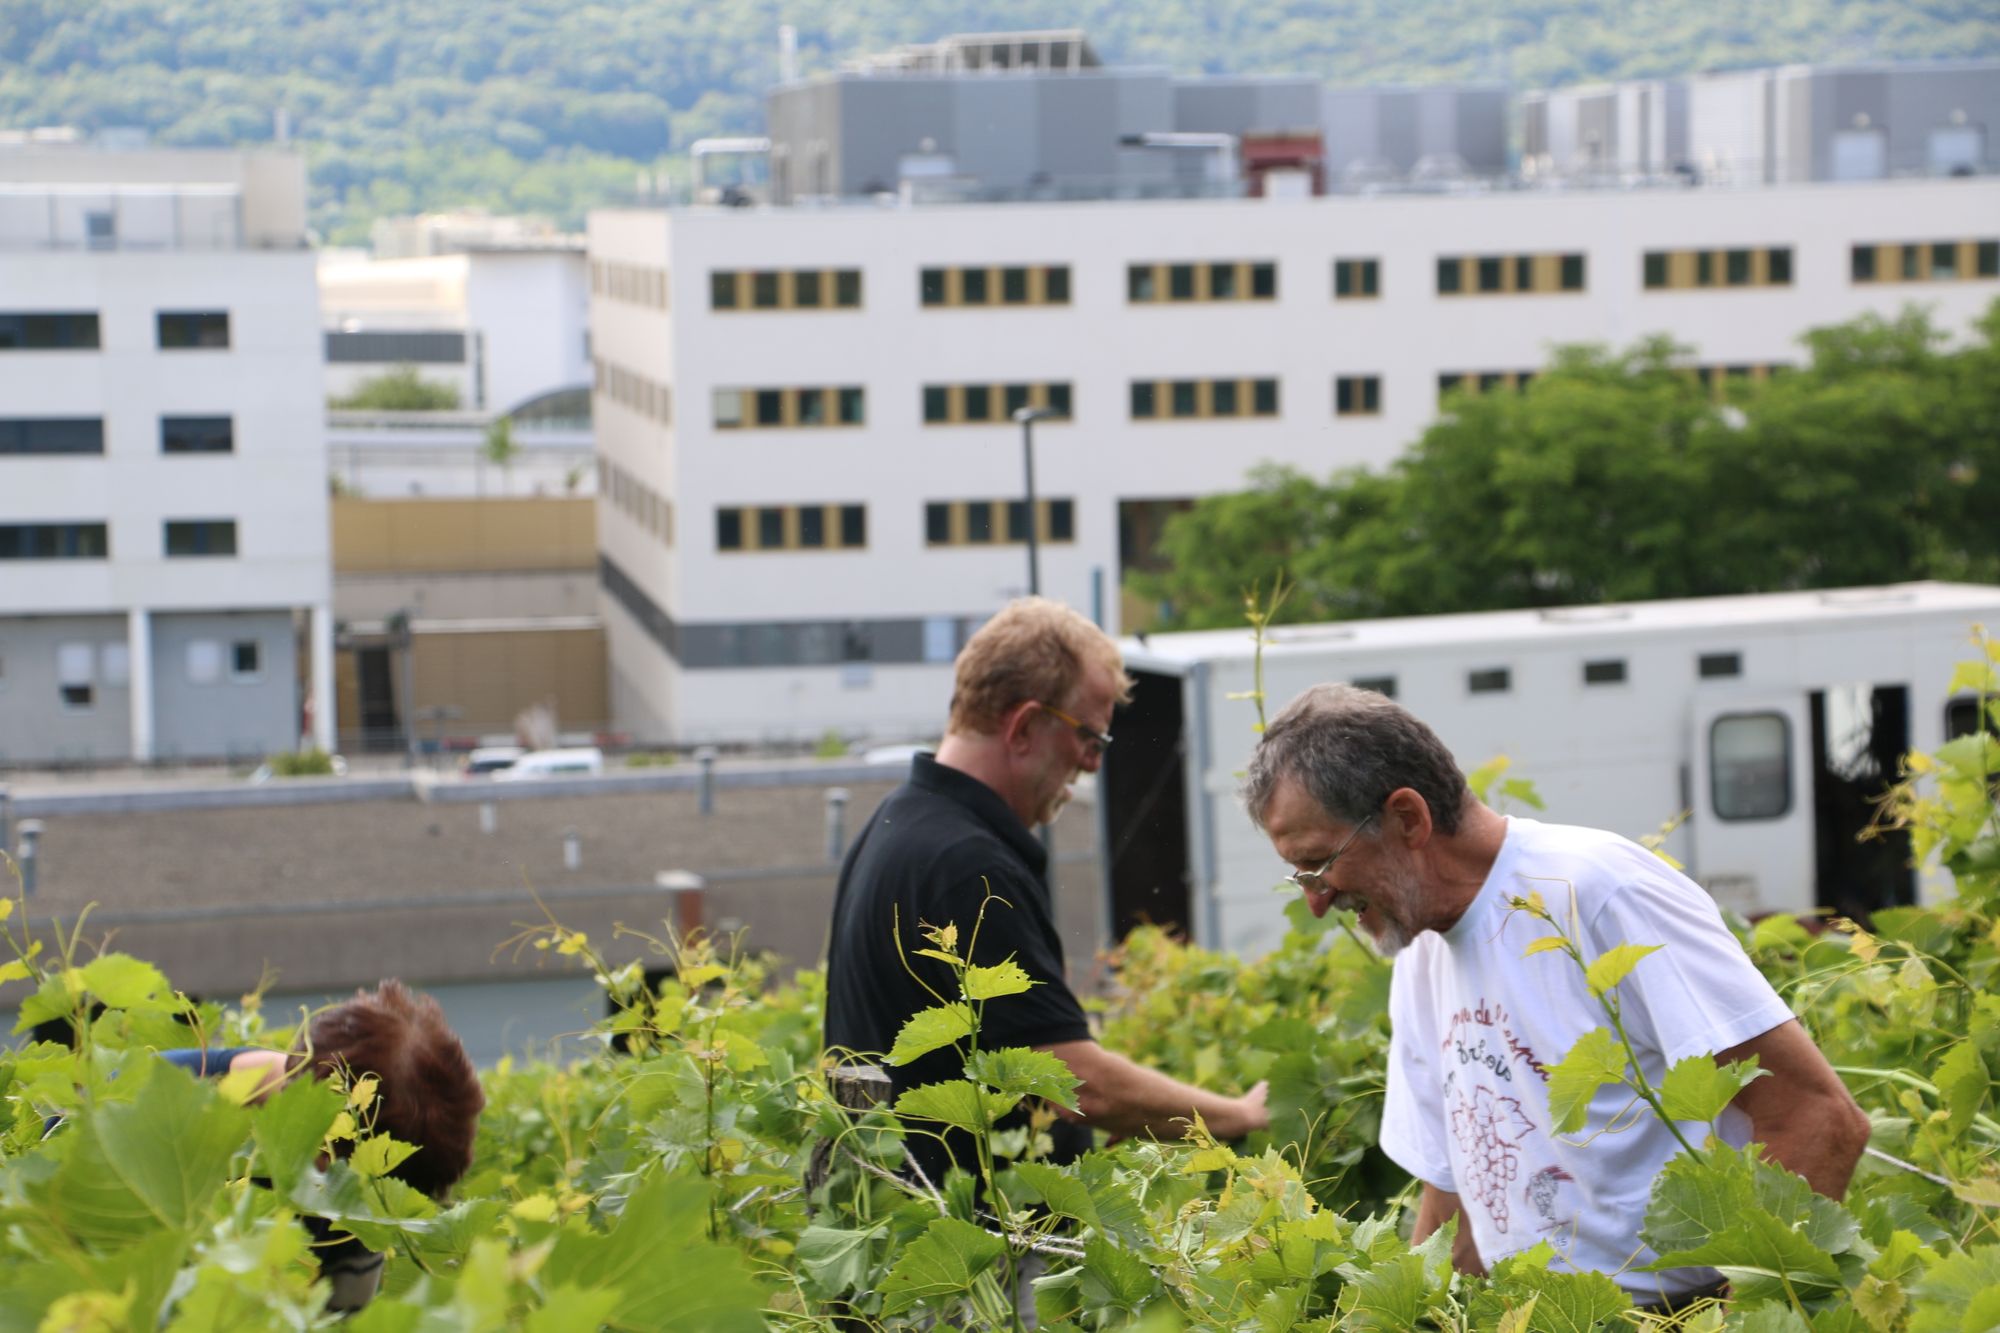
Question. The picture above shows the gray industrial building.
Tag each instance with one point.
(1772, 126)
(1037, 115)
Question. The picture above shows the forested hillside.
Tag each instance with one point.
(554, 105)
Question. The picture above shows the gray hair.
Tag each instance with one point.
(1350, 748)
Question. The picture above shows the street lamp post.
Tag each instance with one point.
(1028, 416)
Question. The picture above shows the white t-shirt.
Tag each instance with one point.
(1475, 1023)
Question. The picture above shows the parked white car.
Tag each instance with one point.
(549, 763)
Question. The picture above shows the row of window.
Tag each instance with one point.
(791, 527)
(1504, 275)
(421, 347)
(77, 330)
(1240, 280)
(85, 435)
(1037, 284)
(1927, 261)
(82, 667)
(781, 409)
(991, 522)
(1483, 381)
(1599, 671)
(785, 289)
(639, 393)
(639, 284)
(92, 541)
(638, 501)
(1714, 378)
(1717, 268)
(975, 404)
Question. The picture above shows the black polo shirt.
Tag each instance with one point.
(930, 854)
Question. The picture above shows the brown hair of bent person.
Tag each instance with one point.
(1033, 649)
(429, 1094)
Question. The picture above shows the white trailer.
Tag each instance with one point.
(1775, 719)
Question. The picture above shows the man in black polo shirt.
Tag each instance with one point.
(1031, 709)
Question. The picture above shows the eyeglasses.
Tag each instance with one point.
(1097, 741)
(1310, 879)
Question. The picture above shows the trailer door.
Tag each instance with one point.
(1752, 797)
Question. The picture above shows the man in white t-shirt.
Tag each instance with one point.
(1371, 807)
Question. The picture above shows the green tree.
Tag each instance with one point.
(501, 450)
(1623, 477)
(399, 390)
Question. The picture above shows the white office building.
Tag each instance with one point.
(164, 573)
(810, 486)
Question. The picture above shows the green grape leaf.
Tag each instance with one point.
(1963, 1079)
(943, 1262)
(379, 1154)
(929, 1029)
(837, 1259)
(1114, 1278)
(1770, 1319)
(123, 982)
(989, 983)
(706, 1286)
(1697, 1088)
(1391, 1295)
(1595, 1060)
(1026, 1073)
(1092, 1191)
(1543, 945)
(291, 1125)
(1614, 965)
(567, 1309)
(957, 1103)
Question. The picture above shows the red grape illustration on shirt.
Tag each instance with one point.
(1489, 1129)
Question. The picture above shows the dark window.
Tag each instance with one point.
(812, 406)
(1750, 765)
(76, 696)
(197, 435)
(1264, 397)
(853, 525)
(1223, 399)
(1180, 282)
(764, 290)
(1491, 380)
(1961, 717)
(1913, 262)
(1655, 268)
(1017, 520)
(1712, 665)
(1222, 282)
(1055, 285)
(1778, 267)
(770, 528)
(1611, 671)
(1382, 685)
(857, 642)
(52, 435)
(937, 523)
(1987, 255)
(1059, 399)
(1490, 274)
(54, 541)
(1371, 277)
(381, 347)
(51, 331)
(853, 407)
(201, 536)
(1186, 398)
(979, 522)
(1572, 273)
(1263, 282)
(729, 529)
(930, 286)
(1354, 277)
(847, 287)
(1145, 399)
(193, 328)
(1357, 395)
(1492, 680)
(1139, 285)
(978, 402)
(972, 286)
(1524, 273)
(812, 526)
(1704, 269)
(722, 291)
(1736, 268)
(1448, 382)
(770, 407)
(246, 658)
(1449, 277)
(1944, 261)
(1014, 286)
(1062, 520)
(937, 403)
(1861, 263)
(1013, 398)
(806, 288)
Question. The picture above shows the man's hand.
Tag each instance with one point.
(1803, 1114)
(1434, 1209)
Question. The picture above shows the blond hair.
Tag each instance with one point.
(1035, 649)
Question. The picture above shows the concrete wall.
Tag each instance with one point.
(228, 715)
(36, 726)
(460, 536)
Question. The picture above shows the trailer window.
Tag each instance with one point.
(1750, 765)
(1382, 685)
(1493, 680)
(1712, 665)
(1961, 717)
(1611, 671)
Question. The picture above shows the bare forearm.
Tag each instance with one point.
(1800, 1111)
(1434, 1209)
(1822, 1148)
(1123, 1097)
